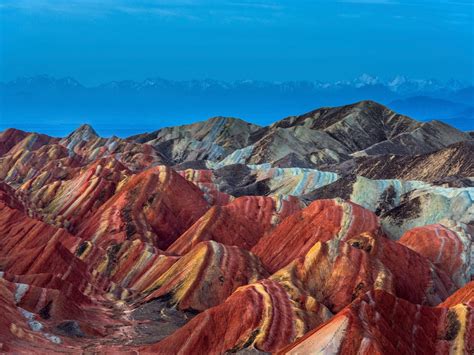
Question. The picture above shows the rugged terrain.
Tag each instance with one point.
(343, 230)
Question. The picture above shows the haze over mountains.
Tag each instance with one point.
(321, 232)
(56, 106)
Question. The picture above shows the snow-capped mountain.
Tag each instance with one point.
(48, 100)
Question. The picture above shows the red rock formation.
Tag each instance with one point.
(448, 249)
(242, 222)
(265, 211)
(20, 232)
(8, 198)
(380, 323)
(148, 206)
(48, 319)
(335, 273)
(51, 282)
(133, 265)
(321, 221)
(102, 249)
(67, 203)
(221, 225)
(13, 141)
(206, 276)
(16, 334)
(42, 284)
(9, 138)
(258, 316)
(88, 146)
(29, 246)
(35, 169)
(464, 295)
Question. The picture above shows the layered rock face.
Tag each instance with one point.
(147, 206)
(344, 230)
(372, 325)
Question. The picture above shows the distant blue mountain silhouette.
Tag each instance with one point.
(56, 106)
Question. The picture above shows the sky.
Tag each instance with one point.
(98, 41)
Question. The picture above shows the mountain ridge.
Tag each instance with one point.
(54, 106)
(318, 138)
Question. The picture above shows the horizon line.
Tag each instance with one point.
(371, 80)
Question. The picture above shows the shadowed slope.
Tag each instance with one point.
(456, 160)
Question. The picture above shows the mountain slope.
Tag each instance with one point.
(318, 138)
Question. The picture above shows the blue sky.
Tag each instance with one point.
(96, 41)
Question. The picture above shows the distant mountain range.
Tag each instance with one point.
(56, 106)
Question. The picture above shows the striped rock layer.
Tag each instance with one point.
(206, 276)
(242, 222)
(447, 248)
(148, 206)
(380, 323)
(258, 316)
(335, 273)
(68, 203)
(321, 221)
(133, 264)
(205, 180)
(43, 285)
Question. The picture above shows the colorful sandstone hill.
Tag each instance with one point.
(341, 231)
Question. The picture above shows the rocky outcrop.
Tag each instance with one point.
(259, 317)
(213, 139)
(321, 221)
(372, 325)
(206, 276)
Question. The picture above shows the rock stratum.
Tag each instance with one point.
(341, 231)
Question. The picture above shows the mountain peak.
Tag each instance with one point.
(84, 133)
(366, 79)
